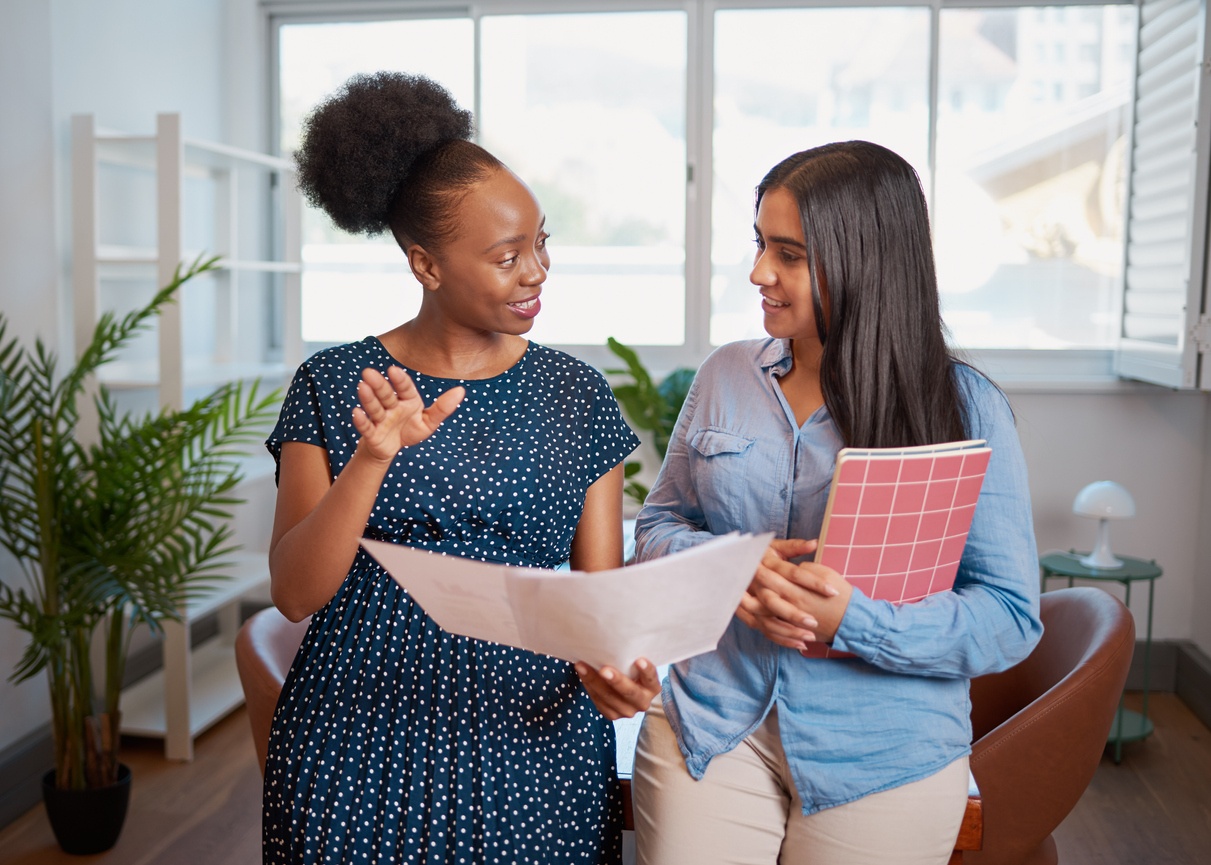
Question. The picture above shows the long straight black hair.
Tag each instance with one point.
(887, 374)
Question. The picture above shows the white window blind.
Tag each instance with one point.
(1164, 324)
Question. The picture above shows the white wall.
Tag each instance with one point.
(1154, 442)
(123, 61)
(28, 278)
(29, 281)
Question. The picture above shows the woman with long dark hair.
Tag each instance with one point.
(755, 753)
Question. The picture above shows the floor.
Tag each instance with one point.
(207, 812)
(1154, 808)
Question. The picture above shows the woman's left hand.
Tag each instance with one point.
(618, 696)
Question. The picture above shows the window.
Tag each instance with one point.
(643, 131)
(862, 80)
(1028, 204)
(589, 109)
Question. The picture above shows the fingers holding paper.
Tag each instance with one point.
(618, 696)
(794, 604)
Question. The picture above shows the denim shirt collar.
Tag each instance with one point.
(777, 357)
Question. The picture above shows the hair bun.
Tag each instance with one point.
(359, 144)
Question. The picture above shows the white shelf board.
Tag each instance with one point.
(127, 375)
(259, 266)
(249, 571)
(214, 692)
(129, 151)
(226, 156)
(113, 254)
(139, 151)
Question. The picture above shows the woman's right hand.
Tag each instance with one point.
(391, 414)
(775, 600)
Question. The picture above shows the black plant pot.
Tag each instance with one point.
(87, 821)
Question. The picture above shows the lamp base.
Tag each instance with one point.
(1104, 563)
(1101, 557)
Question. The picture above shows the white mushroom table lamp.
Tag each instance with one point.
(1104, 501)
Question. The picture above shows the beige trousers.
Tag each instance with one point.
(745, 810)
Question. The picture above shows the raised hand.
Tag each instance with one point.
(391, 414)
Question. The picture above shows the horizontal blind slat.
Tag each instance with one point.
(1161, 304)
(1167, 14)
(1156, 279)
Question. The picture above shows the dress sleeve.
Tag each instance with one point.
(301, 417)
(991, 619)
(611, 438)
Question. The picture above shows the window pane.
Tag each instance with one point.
(786, 80)
(354, 285)
(1032, 129)
(590, 111)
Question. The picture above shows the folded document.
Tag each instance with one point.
(664, 610)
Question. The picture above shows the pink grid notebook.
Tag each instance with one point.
(897, 520)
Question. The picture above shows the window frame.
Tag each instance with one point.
(1023, 370)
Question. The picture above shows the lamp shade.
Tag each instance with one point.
(1104, 500)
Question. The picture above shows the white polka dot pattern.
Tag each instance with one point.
(396, 742)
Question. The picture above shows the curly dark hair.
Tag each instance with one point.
(391, 151)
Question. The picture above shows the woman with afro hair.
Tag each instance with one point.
(395, 741)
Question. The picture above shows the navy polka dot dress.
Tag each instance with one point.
(396, 742)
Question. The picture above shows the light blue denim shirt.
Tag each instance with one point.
(900, 710)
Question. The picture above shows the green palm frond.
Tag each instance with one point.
(649, 405)
(166, 498)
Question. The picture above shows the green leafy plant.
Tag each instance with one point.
(649, 405)
(111, 529)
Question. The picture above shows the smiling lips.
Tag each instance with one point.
(526, 308)
(770, 303)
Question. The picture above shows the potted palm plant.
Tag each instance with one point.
(113, 527)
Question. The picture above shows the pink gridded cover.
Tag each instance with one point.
(897, 520)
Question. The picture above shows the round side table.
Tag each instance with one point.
(1129, 726)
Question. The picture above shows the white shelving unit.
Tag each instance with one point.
(140, 203)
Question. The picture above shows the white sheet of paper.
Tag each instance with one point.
(664, 610)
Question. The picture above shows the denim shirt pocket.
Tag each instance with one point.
(721, 466)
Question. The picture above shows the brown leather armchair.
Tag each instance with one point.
(1040, 727)
(264, 650)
